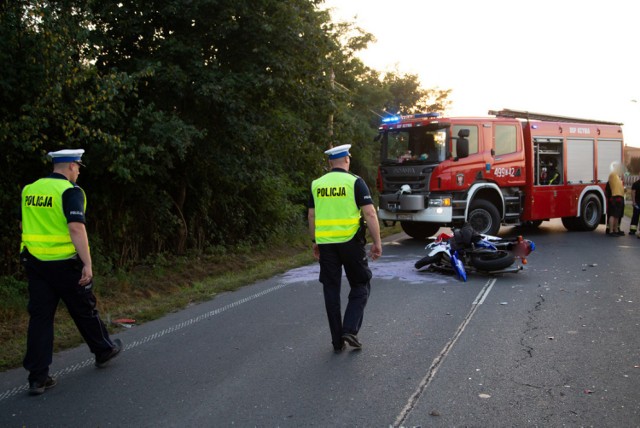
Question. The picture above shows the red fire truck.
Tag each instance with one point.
(514, 168)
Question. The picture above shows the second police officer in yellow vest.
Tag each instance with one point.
(337, 230)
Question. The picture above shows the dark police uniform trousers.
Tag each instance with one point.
(352, 255)
(49, 282)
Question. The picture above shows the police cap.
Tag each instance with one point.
(67, 155)
(339, 152)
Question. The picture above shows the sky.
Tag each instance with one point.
(577, 58)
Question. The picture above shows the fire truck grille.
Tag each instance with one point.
(404, 179)
(417, 183)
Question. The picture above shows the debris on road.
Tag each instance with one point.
(124, 322)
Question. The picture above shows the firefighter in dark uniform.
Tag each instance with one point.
(549, 174)
(336, 226)
(553, 176)
(55, 253)
(635, 200)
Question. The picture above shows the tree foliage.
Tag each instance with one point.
(407, 97)
(203, 121)
(634, 165)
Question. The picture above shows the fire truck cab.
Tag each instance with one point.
(513, 168)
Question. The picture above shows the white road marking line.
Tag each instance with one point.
(154, 336)
(435, 365)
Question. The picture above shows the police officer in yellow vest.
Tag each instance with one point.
(337, 200)
(55, 253)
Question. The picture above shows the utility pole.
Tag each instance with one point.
(332, 79)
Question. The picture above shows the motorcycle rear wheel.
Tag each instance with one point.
(490, 261)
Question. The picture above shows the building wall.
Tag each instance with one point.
(631, 152)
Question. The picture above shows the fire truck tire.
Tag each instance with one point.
(570, 223)
(590, 213)
(418, 230)
(484, 217)
(427, 260)
(492, 261)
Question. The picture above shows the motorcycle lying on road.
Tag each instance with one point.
(467, 251)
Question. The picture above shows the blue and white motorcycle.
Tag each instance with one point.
(466, 251)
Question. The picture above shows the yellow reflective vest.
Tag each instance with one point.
(337, 216)
(45, 232)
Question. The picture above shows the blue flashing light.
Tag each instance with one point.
(398, 118)
(391, 119)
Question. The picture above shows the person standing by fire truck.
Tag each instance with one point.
(635, 200)
(615, 205)
(338, 201)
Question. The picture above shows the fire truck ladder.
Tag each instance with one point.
(519, 114)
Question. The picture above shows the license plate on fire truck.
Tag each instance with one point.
(404, 217)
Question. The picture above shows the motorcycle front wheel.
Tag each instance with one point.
(490, 261)
(427, 260)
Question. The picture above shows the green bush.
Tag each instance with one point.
(13, 296)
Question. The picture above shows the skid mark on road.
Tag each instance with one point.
(382, 269)
(437, 362)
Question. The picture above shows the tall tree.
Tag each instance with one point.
(634, 165)
(408, 96)
(204, 121)
(51, 95)
(250, 77)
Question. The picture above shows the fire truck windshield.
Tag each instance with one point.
(414, 145)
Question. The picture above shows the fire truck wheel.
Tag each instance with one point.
(418, 230)
(484, 217)
(590, 213)
(570, 223)
(492, 261)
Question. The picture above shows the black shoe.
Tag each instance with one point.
(339, 348)
(613, 235)
(620, 233)
(102, 360)
(38, 388)
(352, 340)
(632, 233)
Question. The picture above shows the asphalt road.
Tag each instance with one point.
(557, 344)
